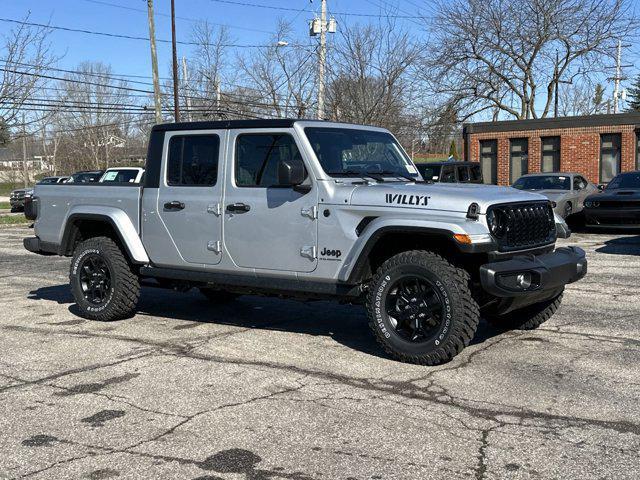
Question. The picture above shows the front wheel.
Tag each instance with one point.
(527, 318)
(102, 281)
(421, 309)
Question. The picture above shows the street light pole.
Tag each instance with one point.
(176, 105)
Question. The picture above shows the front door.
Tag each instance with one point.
(190, 196)
(267, 226)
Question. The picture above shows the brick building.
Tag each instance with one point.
(597, 146)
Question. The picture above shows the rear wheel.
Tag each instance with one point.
(421, 309)
(102, 281)
(527, 318)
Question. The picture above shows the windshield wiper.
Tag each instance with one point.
(363, 175)
(399, 174)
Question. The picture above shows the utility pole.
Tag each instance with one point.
(321, 27)
(176, 104)
(617, 79)
(323, 58)
(25, 170)
(154, 63)
(557, 81)
(185, 79)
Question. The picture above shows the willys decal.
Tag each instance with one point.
(398, 199)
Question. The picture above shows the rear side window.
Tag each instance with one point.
(475, 173)
(193, 160)
(258, 155)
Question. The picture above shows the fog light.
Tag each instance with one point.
(524, 280)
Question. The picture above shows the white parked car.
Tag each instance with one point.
(122, 175)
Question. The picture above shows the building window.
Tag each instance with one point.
(609, 156)
(519, 158)
(550, 154)
(489, 161)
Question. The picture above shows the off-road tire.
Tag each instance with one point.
(527, 318)
(125, 284)
(219, 297)
(462, 312)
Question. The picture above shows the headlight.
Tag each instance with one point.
(497, 223)
(588, 204)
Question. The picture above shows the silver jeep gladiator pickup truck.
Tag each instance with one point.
(313, 210)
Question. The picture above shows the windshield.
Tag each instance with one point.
(625, 180)
(47, 181)
(543, 182)
(352, 152)
(85, 177)
(429, 172)
(120, 176)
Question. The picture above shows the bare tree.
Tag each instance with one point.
(26, 54)
(371, 77)
(283, 75)
(508, 56)
(94, 114)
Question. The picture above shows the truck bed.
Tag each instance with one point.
(56, 203)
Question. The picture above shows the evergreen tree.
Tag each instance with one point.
(598, 98)
(453, 150)
(633, 96)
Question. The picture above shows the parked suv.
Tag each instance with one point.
(313, 210)
(451, 172)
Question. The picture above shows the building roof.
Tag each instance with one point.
(627, 118)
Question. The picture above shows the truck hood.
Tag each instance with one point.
(438, 196)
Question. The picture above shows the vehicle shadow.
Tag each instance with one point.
(621, 246)
(345, 324)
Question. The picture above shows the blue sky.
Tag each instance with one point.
(248, 25)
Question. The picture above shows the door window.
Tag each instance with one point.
(475, 173)
(258, 156)
(609, 156)
(519, 158)
(193, 160)
(448, 174)
(579, 183)
(489, 161)
(550, 154)
(463, 174)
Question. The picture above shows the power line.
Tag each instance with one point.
(99, 2)
(130, 37)
(289, 9)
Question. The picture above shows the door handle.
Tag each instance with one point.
(238, 208)
(175, 205)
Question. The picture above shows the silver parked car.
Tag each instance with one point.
(566, 190)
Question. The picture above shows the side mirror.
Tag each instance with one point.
(291, 173)
(601, 187)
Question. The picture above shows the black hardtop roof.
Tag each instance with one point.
(231, 124)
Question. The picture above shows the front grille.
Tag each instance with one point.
(528, 225)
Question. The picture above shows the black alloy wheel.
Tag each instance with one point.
(415, 308)
(95, 279)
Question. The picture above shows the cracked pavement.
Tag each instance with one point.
(276, 389)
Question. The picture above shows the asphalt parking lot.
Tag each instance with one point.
(273, 389)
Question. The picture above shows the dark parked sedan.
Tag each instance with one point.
(618, 205)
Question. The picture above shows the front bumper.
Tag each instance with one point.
(16, 202)
(534, 274)
(612, 218)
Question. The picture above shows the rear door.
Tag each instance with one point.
(190, 196)
(267, 226)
